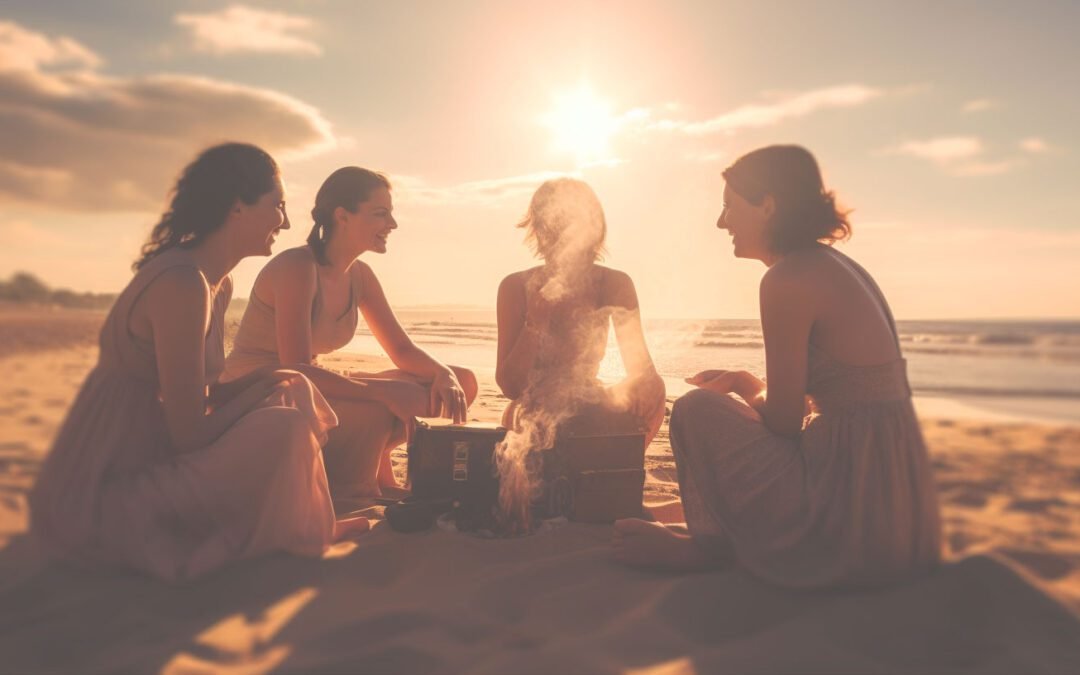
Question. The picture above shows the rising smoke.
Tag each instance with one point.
(565, 224)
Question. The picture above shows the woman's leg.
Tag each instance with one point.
(640, 543)
(469, 384)
(353, 453)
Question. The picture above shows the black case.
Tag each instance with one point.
(594, 473)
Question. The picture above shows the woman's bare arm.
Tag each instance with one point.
(446, 393)
(518, 340)
(643, 386)
(176, 307)
(788, 310)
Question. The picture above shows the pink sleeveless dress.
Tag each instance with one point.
(114, 490)
(850, 501)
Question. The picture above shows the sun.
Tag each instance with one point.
(581, 124)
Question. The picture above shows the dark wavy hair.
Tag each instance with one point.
(205, 192)
(347, 187)
(806, 213)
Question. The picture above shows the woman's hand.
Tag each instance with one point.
(447, 397)
(720, 381)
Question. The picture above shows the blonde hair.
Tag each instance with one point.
(565, 220)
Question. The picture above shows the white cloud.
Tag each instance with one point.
(243, 29)
(72, 137)
(979, 105)
(942, 150)
(480, 192)
(1034, 145)
(23, 50)
(768, 114)
(966, 155)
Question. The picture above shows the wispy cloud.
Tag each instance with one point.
(979, 105)
(964, 155)
(758, 115)
(23, 50)
(943, 150)
(72, 137)
(242, 29)
(480, 192)
(1034, 145)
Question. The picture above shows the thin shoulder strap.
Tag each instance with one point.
(861, 271)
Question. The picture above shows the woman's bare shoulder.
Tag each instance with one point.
(181, 291)
(517, 280)
(618, 288)
(294, 266)
(290, 261)
(614, 277)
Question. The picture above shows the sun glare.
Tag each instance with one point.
(581, 124)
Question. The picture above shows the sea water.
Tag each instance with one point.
(1023, 369)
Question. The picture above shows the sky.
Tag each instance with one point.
(948, 127)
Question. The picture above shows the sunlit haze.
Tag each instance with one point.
(949, 128)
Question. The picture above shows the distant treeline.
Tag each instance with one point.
(24, 287)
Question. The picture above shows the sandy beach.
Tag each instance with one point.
(1007, 601)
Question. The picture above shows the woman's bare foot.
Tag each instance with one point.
(350, 528)
(639, 543)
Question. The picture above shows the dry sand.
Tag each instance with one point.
(1008, 601)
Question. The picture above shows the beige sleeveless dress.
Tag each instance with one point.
(255, 345)
(113, 489)
(851, 501)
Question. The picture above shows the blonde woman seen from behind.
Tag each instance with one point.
(554, 321)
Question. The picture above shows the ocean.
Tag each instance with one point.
(1027, 370)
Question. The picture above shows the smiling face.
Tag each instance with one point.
(260, 222)
(746, 223)
(368, 228)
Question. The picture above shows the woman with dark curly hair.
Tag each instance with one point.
(822, 478)
(158, 466)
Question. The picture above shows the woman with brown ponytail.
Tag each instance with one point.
(306, 302)
(159, 467)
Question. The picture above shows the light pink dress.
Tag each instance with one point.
(114, 490)
(851, 501)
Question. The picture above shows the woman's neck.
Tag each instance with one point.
(339, 256)
(215, 259)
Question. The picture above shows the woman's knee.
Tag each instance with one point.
(361, 416)
(694, 404)
(468, 381)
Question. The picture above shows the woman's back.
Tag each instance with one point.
(853, 322)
